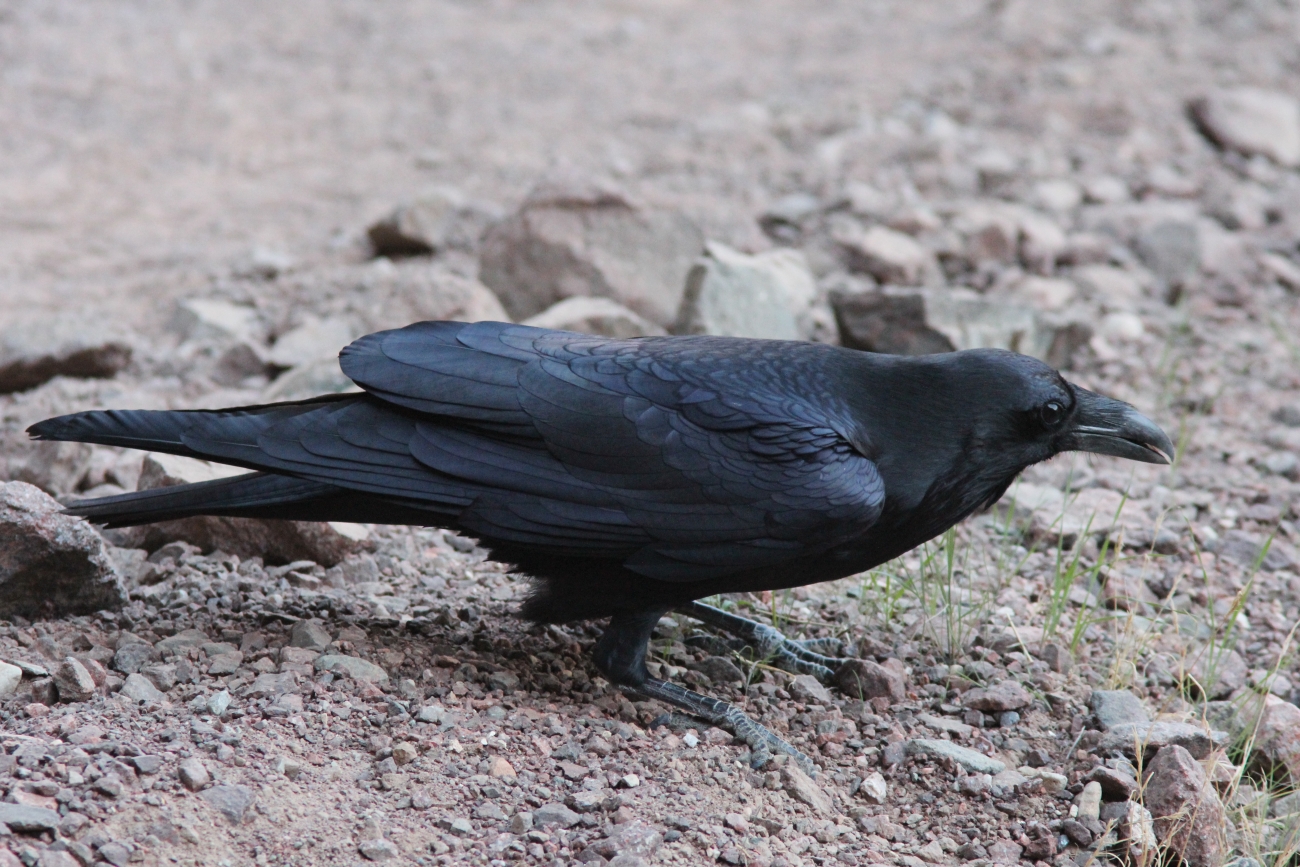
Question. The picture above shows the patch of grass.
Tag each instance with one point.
(946, 591)
(1222, 633)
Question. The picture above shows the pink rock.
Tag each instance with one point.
(74, 681)
(51, 564)
(1189, 818)
(1278, 734)
(1007, 695)
(865, 679)
(1005, 852)
(573, 238)
(632, 838)
(801, 787)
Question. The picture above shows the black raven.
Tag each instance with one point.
(629, 478)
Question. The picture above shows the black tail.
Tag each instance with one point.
(164, 430)
(253, 495)
(250, 495)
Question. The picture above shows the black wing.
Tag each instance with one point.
(684, 458)
(689, 458)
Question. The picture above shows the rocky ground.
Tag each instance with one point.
(204, 203)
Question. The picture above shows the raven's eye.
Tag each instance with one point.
(1052, 413)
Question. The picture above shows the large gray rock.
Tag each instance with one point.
(635, 838)
(159, 470)
(139, 688)
(1276, 725)
(56, 468)
(1115, 785)
(310, 635)
(34, 351)
(384, 294)
(1247, 549)
(1143, 738)
(1004, 696)
(990, 232)
(73, 681)
(804, 789)
(600, 316)
(1216, 673)
(1189, 818)
(326, 543)
(356, 299)
(28, 820)
(212, 319)
(440, 219)
(131, 658)
(730, 293)
(554, 814)
(237, 362)
(891, 257)
(1115, 707)
(352, 666)
(868, 679)
(397, 295)
(1045, 294)
(1051, 519)
(181, 642)
(1251, 121)
(51, 564)
(1113, 288)
(923, 321)
(1042, 242)
(970, 321)
(809, 690)
(230, 801)
(10, 677)
(310, 379)
(890, 322)
(273, 685)
(572, 239)
(973, 761)
(193, 774)
(312, 340)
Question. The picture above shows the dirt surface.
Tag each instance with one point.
(151, 153)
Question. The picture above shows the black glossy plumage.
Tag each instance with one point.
(624, 475)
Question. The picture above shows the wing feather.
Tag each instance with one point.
(683, 458)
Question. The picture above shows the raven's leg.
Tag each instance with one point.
(621, 653)
(801, 657)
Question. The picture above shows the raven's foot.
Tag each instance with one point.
(762, 742)
(809, 656)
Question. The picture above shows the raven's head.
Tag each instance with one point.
(962, 425)
(1036, 414)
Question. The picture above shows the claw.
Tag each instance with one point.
(832, 647)
(678, 721)
(796, 656)
(761, 741)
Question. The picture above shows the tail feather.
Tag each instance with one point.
(158, 431)
(256, 495)
(164, 430)
(233, 436)
(234, 496)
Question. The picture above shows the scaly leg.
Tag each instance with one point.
(621, 653)
(800, 657)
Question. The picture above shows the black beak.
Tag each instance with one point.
(1111, 427)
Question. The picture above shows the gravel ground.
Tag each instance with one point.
(392, 707)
